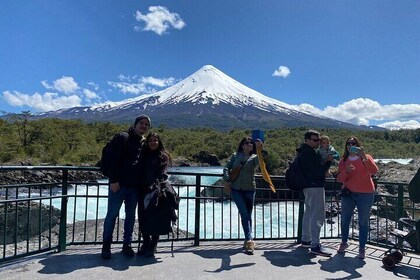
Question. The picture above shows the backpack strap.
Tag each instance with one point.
(172, 244)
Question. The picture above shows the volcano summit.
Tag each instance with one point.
(207, 98)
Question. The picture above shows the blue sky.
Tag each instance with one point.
(357, 61)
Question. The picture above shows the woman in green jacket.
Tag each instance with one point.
(243, 186)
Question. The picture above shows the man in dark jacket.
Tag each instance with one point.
(124, 183)
(314, 172)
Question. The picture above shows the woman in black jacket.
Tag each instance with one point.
(153, 218)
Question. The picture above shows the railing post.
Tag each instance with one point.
(62, 237)
(300, 217)
(400, 205)
(197, 210)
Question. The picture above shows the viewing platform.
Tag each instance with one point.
(211, 260)
(53, 230)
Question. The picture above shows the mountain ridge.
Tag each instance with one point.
(208, 98)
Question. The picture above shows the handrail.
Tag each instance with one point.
(204, 213)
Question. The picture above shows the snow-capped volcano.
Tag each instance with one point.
(206, 98)
(210, 86)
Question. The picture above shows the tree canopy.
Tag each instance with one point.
(73, 142)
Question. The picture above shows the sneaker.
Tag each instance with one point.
(343, 247)
(362, 254)
(318, 250)
(249, 247)
(127, 250)
(305, 244)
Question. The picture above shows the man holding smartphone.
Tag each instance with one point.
(314, 172)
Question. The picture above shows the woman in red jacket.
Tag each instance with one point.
(355, 171)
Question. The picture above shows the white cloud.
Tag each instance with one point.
(158, 20)
(395, 125)
(66, 85)
(158, 82)
(46, 85)
(129, 88)
(122, 78)
(94, 85)
(63, 93)
(90, 94)
(364, 111)
(143, 85)
(283, 71)
(41, 102)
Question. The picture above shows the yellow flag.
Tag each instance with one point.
(264, 171)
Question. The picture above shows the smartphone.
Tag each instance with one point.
(258, 134)
(354, 149)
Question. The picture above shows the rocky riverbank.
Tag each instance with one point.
(390, 172)
(89, 231)
(396, 172)
(46, 176)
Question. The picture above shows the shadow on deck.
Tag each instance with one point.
(211, 260)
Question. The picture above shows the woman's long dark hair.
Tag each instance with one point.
(162, 154)
(241, 149)
(346, 151)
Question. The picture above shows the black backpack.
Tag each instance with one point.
(159, 214)
(160, 205)
(295, 180)
(113, 150)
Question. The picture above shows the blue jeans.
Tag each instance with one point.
(314, 215)
(244, 200)
(129, 196)
(363, 202)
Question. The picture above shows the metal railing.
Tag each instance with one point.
(57, 209)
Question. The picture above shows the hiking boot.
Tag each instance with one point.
(106, 250)
(127, 250)
(362, 254)
(149, 254)
(151, 250)
(143, 249)
(318, 250)
(305, 244)
(249, 247)
(343, 247)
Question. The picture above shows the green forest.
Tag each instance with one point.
(73, 142)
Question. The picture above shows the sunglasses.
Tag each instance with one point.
(248, 143)
(351, 143)
(316, 140)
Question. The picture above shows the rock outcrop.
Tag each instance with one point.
(25, 219)
(206, 157)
